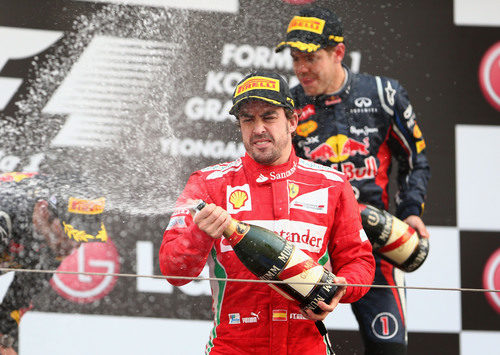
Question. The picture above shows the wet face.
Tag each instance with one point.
(319, 72)
(266, 132)
(50, 227)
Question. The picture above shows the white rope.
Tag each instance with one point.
(198, 278)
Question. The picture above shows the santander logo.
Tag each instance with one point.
(304, 240)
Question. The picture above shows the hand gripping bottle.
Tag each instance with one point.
(393, 239)
(271, 257)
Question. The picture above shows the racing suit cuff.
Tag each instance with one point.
(409, 210)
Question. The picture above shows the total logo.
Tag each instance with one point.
(89, 257)
(491, 280)
(338, 149)
(489, 75)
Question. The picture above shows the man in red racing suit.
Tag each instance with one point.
(311, 205)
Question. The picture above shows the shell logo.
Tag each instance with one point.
(238, 198)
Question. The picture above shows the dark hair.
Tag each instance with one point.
(289, 115)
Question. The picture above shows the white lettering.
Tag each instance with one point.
(194, 148)
(145, 266)
(9, 162)
(222, 82)
(246, 56)
(363, 130)
(283, 175)
(197, 108)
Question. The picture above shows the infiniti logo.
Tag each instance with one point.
(363, 102)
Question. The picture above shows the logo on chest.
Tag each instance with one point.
(238, 199)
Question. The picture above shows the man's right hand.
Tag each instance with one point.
(416, 223)
(212, 220)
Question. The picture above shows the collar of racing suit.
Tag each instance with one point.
(266, 174)
(325, 99)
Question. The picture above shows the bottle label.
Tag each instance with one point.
(402, 242)
(238, 231)
(279, 263)
(301, 268)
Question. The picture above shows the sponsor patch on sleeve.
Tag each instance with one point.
(420, 146)
(362, 235)
(178, 222)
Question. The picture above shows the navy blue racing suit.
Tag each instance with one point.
(20, 247)
(359, 130)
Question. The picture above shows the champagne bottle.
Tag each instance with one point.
(271, 257)
(393, 239)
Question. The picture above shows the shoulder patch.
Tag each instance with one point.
(327, 172)
(218, 171)
(385, 95)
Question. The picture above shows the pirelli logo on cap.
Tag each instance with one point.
(257, 83)
(310, 24)
(81, 206)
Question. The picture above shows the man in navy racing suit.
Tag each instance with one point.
(357, 123)
(42, 219)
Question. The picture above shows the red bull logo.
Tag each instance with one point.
(368, 171)
(338, 149)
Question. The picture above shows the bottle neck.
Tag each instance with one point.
(235, 232)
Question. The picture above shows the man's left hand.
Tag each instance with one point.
(416, 223)
(327, 308)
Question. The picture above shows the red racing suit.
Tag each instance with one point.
(309, 204)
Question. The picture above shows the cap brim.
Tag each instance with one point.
(85, 228)
(298, 45)
(234, 110)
